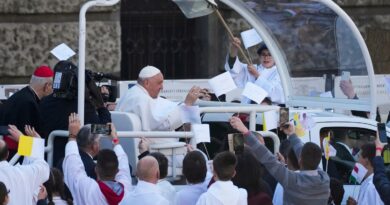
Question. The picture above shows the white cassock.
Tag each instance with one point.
(368, 193)
(145, 193)
(156, 114)
(223, 193)
(167, 190)
(190, 194)
(84, 189)
(269, 80)
(23, 181)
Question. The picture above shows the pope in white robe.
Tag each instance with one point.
(264, 75)
(156, 113)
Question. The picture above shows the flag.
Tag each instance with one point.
(299, 130)
(31, 147)
(358, 173)
(329, 150)
(195, 8)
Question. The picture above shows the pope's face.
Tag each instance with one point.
(266, 59)
(154, 85)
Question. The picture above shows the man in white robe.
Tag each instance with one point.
(156, 113)
(223, 191)
(146, 192)
(112, 170)
(22, 181)
(264, 75)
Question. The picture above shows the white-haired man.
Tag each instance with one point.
(156, 113)
(22, 108)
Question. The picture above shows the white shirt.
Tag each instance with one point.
(23, 181)
(84, 189)
(166, 189)
(368, 193)
(58, 201)
(278, 195)
(156, 114)
(145, 193)
(269, 80)
(190, 194)
(223, 193)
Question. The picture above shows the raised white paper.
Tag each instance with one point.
(254, 92)
(38, 147)
(271, 120)
(387, 83)
(62, 52)
(201, 132)
(250, 38)
(222, 84)
(190, 114)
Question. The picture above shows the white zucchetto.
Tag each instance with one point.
(148, 71)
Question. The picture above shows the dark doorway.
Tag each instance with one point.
(155, 32)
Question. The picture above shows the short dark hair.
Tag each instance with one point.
(3, 152)
(55, 184)
(368, 151)
(3, 192)
(224, 165)
(336, 191)
(85, 138)
(194, 167)
(162, 163)
(107, 163)
(310, 156)
(262, 47)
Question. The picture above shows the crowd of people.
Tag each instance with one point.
(87, 174)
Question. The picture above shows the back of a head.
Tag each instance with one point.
(3, 193)
(284, 148)
(147, 169)
(194, 167)
(3, 150)
(292, 159)
(368, 151)
(248, 172)
(42, 74)
(310, 156)
(162, 163)
(55, 185)
(224, 165)
(107, 164)
(85, 138)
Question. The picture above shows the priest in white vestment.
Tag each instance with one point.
(112, 169)
(22, 181)
(146, 192)
(264, 75)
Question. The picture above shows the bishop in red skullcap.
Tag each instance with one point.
(43, 72)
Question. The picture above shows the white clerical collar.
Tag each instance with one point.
(310, 172)
(346, 146)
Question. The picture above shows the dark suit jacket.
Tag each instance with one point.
(344, 162)
(21, 109)
(89, 164)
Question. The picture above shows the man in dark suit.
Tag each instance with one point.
(22, 108)
(344, 159)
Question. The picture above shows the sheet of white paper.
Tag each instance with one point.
(250, 38)
(38, 148)
(345, 75)
(190, 114)
(271, 119)
(201, 132)
(222, 84)
(62, 52)
(387, 83)
(326, 95)
(254, 92)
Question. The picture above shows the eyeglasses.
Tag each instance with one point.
(266, 55)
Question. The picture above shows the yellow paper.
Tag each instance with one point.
(327, 139)
(299, 130)
(386, 156)
(25, 145)
(264, 124)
